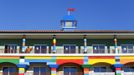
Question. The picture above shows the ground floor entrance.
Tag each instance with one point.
(65, 69)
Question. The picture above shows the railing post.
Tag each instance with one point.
(54, 44)
(85, 44)
(115, 44)
(23, 43)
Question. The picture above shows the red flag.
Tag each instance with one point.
(71, 9)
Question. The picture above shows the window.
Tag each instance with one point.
(9, 71)
(127, 48)
(69, 49)
(11, 48)
(128, 69)
(40, 49)
(68, 23)
(99, 69)
(40, 71)
(70, 71)
(98, 48)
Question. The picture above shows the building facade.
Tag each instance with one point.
(66, 52)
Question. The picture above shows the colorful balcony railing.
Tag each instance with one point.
(61, 50)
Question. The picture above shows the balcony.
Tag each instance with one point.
(59, 50)
(3, 50)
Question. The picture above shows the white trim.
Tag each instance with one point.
(17, 54)
(29, 71)
(102, 73)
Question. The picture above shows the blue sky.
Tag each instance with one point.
(46, 14)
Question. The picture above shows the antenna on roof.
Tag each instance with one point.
(68, 22)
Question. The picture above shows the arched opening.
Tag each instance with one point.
(129, 67)
(70, 69)
(102, 68)
(8, 69)
(38, 69)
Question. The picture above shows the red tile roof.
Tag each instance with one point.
(60, 31)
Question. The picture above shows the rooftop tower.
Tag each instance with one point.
(69, 22)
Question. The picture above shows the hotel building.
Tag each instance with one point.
(67, 52)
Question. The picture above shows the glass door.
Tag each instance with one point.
(99, 69)
(9, 71)
(70, 71)
(127, 48)
(66, 49)
(11, 48)
(37, 49)
(40, 49)
(43, 49)
(69, 49)
(40, 71)
(98, 48)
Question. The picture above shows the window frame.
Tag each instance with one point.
(69, 45)
(39, 72)
(40, 45)
(10, 45)
(98, 50)
(128, 50)
(69, 67)
(100, 69)
(128, 69)
(9, 69)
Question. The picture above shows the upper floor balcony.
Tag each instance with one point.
(67, 49)
(66, 42)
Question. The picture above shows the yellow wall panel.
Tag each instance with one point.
(125, 61)
(94, 61)
(127, 57)
(38, 57)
